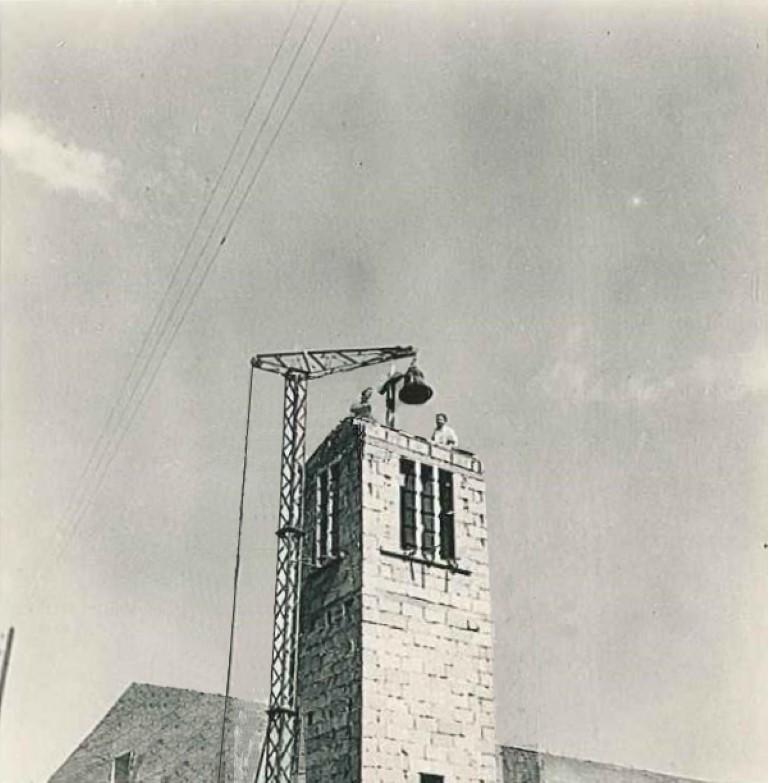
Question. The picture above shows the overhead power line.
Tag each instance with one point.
(119, 400)
(125, 411)
(152, 360)
(148, 355)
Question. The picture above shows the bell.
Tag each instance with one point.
(415, 390)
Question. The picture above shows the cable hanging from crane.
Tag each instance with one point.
(236, 580)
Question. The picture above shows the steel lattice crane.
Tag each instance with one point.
(298, 368)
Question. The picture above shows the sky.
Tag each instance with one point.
(561, 205)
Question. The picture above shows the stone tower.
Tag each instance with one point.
(395, 677)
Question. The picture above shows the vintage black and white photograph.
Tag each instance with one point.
(383, 391)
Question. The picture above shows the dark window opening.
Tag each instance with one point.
(310, 520)
(447, 528)
(408, 504)
(425, 778)
(322, 516)
(427, 511)
(334, 507)
(121, 768)
(327, 500)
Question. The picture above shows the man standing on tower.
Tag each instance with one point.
(363, 409)
(443, 434)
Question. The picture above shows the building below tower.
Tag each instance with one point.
(155, 734)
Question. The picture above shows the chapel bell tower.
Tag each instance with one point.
(395, 654)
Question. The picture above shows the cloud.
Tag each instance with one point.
(573, 377)
(60, 165)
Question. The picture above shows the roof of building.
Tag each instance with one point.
(523, 765)
(173, 735)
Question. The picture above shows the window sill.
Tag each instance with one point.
(413, 558)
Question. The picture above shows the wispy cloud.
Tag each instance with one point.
(575, 377)
(61, 165)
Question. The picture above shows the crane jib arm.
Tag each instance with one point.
(318, 364)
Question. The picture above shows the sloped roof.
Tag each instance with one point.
(173, 735)
(521, 765)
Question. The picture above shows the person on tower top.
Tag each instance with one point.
(363, 409)
(443, 434)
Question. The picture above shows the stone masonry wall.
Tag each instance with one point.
(329, 681)
(427, 687)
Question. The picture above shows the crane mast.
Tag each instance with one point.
(298, 368)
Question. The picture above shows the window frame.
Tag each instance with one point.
(326, 499)
(408, 505)
(447, 516)
(427, 511)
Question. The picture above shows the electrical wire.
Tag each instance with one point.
(131, 409)
(180, 263)
(106, 458)
(210, 263)
(150, 357)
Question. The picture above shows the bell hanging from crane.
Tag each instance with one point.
(415, 390)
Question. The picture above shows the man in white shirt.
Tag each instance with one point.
(443, 434)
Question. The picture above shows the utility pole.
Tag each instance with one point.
(6, 662)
